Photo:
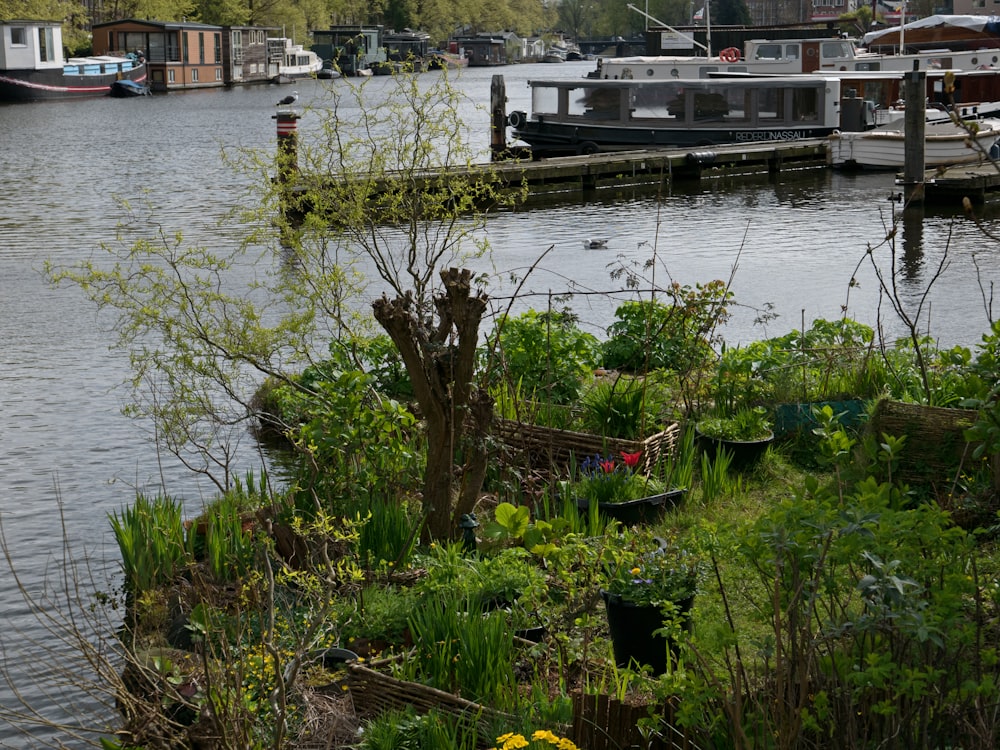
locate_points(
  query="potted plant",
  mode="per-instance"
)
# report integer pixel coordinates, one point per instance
(746, 435)
(620, 490)
(650, 586)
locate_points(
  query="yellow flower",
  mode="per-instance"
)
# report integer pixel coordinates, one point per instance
(636, 571)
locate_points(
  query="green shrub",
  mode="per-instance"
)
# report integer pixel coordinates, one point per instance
(545, 355)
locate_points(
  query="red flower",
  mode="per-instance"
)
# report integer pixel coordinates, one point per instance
(631, 459)
(608, 466)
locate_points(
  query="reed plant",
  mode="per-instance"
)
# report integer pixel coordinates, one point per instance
(715, 480)
(151, 539)
(460, 649)
(229, 540)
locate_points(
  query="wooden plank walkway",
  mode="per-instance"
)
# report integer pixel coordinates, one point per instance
(615, 170)
(972, 181)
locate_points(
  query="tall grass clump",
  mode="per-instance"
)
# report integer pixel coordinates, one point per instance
(460, 649)
(150, 536)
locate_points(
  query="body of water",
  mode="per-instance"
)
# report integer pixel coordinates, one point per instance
(795, 243)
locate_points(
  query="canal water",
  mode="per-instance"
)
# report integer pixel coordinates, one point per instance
(796, 246)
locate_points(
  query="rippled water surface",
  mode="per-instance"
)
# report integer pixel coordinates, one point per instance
(795, 243)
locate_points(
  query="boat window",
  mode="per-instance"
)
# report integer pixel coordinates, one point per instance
(805, 105)
(545, 100)
(770, 104)
(722, 105)
(835, 48)
(660, 102)
(768, 52)
(792, 51)
(597, 102)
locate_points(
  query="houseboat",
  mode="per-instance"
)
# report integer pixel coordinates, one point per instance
(179, 54)
(33, 66)
(582, 116)
(353, 50)
(293, 60)
(790, 56)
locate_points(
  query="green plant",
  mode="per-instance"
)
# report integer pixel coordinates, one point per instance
(650, 335)
(622, 407)
(606, 479)
(647, 570)
(460, 649)
(545, 354)
(746, 425)
(151, 539)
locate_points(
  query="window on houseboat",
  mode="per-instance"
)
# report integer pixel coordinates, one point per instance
(46, 45)
(771, 105)
(835, 49)
(768, 52)
(805, 105)
(657, 101)
(545, 100)
(792, 51)
(18, 36)
(596, 102)
(713, 104)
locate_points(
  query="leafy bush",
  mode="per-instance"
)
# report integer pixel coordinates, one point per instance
(651, 335)
(545, 354)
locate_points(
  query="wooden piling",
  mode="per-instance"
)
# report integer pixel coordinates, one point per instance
(498, 120)
(914, 130)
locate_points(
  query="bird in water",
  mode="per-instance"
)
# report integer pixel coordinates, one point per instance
(290, 99)
(595, 244)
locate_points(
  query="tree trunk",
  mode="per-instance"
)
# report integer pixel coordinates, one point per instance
(440, 359)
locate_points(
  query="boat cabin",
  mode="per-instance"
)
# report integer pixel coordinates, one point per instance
(31, 45)
(586, 116)
(353, 49)
(788, 57)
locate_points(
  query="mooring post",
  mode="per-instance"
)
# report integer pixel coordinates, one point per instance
(288, 144)
(287, 161)
(498, 121)
(914, 130)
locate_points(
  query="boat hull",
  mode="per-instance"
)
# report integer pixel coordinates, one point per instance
(945, 145)
(42, 85)
(556, 139)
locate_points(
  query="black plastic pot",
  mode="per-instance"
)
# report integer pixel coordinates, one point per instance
(745, 453)
(634, 512)
(632, 628)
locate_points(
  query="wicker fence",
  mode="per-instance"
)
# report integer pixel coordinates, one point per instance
(538, 447)
(935, 440)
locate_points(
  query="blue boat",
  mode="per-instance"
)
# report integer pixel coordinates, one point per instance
(125, 88)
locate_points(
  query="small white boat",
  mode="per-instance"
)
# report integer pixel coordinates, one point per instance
(294, 61)
(946, 142)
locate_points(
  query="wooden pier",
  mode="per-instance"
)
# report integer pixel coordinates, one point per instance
(661, 167)
(973, 181)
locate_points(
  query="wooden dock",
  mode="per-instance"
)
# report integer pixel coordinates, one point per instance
(660, 167)
(973, 181)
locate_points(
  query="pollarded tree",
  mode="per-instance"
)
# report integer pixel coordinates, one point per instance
(374, 190)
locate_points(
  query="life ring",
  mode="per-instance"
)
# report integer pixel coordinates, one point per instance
(730, 55)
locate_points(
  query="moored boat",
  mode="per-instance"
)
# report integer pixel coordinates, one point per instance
(947, 142)
(33, 67)
(125, 89)
(294, 61)
(582, 116)
(791, 56)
